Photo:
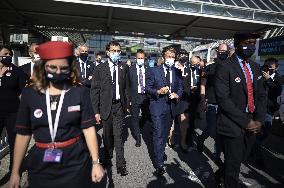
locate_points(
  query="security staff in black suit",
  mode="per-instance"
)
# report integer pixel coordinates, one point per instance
(212, 107)
(29, 67)
(194, 78)
(110, 99)
(241, 100)
(99, 59)
(139, 100)
(85, 67)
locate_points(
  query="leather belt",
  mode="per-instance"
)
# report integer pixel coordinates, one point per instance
(57, 144)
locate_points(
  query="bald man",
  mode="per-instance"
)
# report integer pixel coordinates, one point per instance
(84, 65)
(29, 67)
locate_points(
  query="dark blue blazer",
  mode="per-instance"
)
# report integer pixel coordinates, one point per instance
(155, 80)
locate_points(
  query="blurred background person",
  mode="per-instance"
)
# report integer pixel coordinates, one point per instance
(211, 103)
(12, 81)
(85, 66)
(98, 59)
(57, 111)
(273, 87)
(29, 67)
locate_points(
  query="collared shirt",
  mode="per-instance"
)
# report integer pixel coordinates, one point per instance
(242, 66)
(143, 73)
(32, 67)
(83, 68)
(111, 65)
(194, 77)
(171, 74)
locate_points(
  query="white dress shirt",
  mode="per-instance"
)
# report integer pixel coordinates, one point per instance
(111, 65)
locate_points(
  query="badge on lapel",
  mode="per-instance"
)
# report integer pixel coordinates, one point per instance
(121, 67)
(8, 74)
(38, 113)
(88, 66)
(238, 79)
(258, 78)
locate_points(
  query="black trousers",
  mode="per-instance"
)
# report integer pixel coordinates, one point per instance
(192, 112)
(112, 134)
(142, 104)
(8, 121)
(236, 150)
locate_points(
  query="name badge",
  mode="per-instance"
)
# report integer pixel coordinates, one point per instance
(52, 155)
(74, 108)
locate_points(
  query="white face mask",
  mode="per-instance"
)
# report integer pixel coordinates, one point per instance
(170, 62)
(140, 62)
(36, 57)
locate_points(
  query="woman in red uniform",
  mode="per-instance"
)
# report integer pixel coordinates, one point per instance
(57, 111)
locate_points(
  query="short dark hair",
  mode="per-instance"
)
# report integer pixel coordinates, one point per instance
(270, 61)
(241, 36)
(198, 57)
(182, 51)
(8, 48)
(168, 48)
(140, 51)
(112, 43)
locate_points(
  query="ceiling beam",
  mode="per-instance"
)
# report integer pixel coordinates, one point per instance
(109, 17)
(188, 25)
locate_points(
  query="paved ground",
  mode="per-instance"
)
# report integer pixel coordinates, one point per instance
(192, 170)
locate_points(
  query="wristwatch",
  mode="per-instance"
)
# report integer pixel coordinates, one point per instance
(95, 162)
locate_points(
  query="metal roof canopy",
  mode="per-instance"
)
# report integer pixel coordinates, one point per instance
(173, 19)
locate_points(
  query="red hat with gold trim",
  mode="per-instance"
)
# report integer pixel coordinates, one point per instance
(54, 50)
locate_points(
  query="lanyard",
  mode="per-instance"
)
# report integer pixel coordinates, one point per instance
(53, 129)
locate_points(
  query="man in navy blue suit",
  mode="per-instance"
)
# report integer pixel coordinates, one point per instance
(164, 85)
(139, 100)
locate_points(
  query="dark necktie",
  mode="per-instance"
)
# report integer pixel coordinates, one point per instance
(249, 88)
(141, 80)
(83, 70)
(113, 83)
(168, 78)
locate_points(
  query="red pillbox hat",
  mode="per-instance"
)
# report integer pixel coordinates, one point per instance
(54, 50)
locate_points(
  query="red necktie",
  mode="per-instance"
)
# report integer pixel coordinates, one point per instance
(249, 88)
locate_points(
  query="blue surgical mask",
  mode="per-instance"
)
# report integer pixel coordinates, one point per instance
(151, 63)
(115, 57)
(170, 62)
(140, 62)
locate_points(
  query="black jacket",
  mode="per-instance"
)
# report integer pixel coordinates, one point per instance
(231, 95)
(101, 89)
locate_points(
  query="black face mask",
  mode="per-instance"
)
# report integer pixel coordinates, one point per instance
(57, 78)
(183, 60)
(194, 66)
(6, 60)
(223, 55)
(247, 51)
(84, 56)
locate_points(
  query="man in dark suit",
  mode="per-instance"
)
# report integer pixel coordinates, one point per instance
(110, 99)
(29, 67)
(241, 100)
(85, 67)
(139, 100)
(99, 59)
(164, 84)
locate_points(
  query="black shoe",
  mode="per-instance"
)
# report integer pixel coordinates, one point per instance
(160, 171)
(165, 157)
(138, 144)
(200, 145)
(122, 171)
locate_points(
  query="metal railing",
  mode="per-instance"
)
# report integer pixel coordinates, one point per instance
(4, 146)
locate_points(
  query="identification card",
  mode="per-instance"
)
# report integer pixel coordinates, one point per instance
(52, 155)
(53, 105)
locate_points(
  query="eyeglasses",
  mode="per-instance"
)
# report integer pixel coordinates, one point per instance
(118, 51)
(54, 68)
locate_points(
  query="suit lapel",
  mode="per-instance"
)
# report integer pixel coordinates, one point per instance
(253, 70)
(106, 70)
(240, 72)
(162, 73)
